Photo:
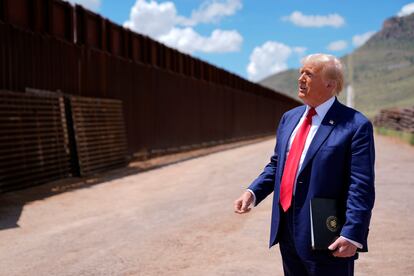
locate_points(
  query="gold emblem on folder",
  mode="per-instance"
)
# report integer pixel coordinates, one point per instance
(332, 223)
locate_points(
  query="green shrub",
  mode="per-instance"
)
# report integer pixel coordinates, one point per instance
(403, 135)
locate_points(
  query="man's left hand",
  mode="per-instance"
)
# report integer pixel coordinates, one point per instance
(342, 248)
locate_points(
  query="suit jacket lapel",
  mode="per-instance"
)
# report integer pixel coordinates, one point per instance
(286, 133)
(327, 125)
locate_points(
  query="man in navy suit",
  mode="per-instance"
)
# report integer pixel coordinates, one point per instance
(324, 150)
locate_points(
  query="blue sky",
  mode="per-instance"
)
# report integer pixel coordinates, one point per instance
(254, 38)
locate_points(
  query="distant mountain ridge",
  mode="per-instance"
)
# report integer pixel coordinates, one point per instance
(382, 69)
(397, 28)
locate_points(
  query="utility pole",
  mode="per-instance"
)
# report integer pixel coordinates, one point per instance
(349, 89)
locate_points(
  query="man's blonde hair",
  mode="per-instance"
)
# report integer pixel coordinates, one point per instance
(331, 68)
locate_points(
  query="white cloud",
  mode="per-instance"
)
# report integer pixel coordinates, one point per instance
(337, 45)
(211, 12)
(302, 20)
(93, 5)
(359, 40)
(190, 41)
(406, 10)
(299, 50)
(162, 22)
(270, 58)
(151, 18)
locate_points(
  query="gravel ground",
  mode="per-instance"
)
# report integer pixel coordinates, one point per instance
(178, 220)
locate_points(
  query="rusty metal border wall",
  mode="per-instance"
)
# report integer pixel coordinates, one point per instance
(171, 100)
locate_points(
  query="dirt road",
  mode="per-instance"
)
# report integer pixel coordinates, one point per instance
(178, 220)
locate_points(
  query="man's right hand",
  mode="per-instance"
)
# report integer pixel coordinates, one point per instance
(241, 205)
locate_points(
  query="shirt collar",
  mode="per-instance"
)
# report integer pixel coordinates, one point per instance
(323, 108)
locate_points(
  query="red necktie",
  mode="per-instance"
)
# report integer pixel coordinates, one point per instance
(292, 162)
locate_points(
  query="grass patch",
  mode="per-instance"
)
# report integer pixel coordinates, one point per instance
(402, 135)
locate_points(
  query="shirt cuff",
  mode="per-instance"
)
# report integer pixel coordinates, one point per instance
(357, 244)
(254, 198)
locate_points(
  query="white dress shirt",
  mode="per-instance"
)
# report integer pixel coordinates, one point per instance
(321, 111)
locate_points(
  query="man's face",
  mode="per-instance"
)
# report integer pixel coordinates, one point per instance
(313, 90)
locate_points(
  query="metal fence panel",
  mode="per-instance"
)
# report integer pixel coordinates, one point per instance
(18, 12)
(99, 133)
(34, 142)
(61, 22)
(90, 29)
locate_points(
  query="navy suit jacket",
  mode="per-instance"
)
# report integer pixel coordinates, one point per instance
(339, 164)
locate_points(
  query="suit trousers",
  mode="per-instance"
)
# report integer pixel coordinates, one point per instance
(294, 265)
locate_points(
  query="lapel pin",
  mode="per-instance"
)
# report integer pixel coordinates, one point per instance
(331, 122)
